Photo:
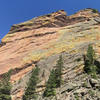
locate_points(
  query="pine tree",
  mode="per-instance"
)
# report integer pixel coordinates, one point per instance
(51, 85)
(90, 67)
(90, 55)
(5, 86)
(30, 92)
(58, 71)
(54, 80)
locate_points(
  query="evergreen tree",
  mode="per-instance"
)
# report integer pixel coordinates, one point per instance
(5, 86)
(90, 67)
(90, 55)
(54, 80)
(51, 85)
(30, 92)
(58, 71)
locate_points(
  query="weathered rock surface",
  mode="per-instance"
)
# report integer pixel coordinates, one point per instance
(40, 41)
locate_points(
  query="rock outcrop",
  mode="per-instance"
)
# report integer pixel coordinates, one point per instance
(40, 41)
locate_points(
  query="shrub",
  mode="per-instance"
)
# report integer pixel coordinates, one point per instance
(76, 96)
(85, 84)
(95, 11)
(4, 97)
(92, 93)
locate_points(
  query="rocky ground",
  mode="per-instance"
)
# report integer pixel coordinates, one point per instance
(40, 41)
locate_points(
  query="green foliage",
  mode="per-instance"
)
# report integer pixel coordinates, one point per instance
(30, 92)
(5, 86)
(4, 97)
(54, 80)
(51, 85)
(90, 66)
(97, 63)
(85, 84)
(89, 61)
(90, 55)
(76, 96)
(6, 77)
(95, 11)
(91, 93)
(58, 72)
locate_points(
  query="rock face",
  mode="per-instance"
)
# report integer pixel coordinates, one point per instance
(40, 41)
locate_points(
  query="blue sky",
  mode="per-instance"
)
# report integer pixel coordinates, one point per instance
(16, 11)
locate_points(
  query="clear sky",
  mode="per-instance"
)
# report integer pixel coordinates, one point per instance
(16, 11)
